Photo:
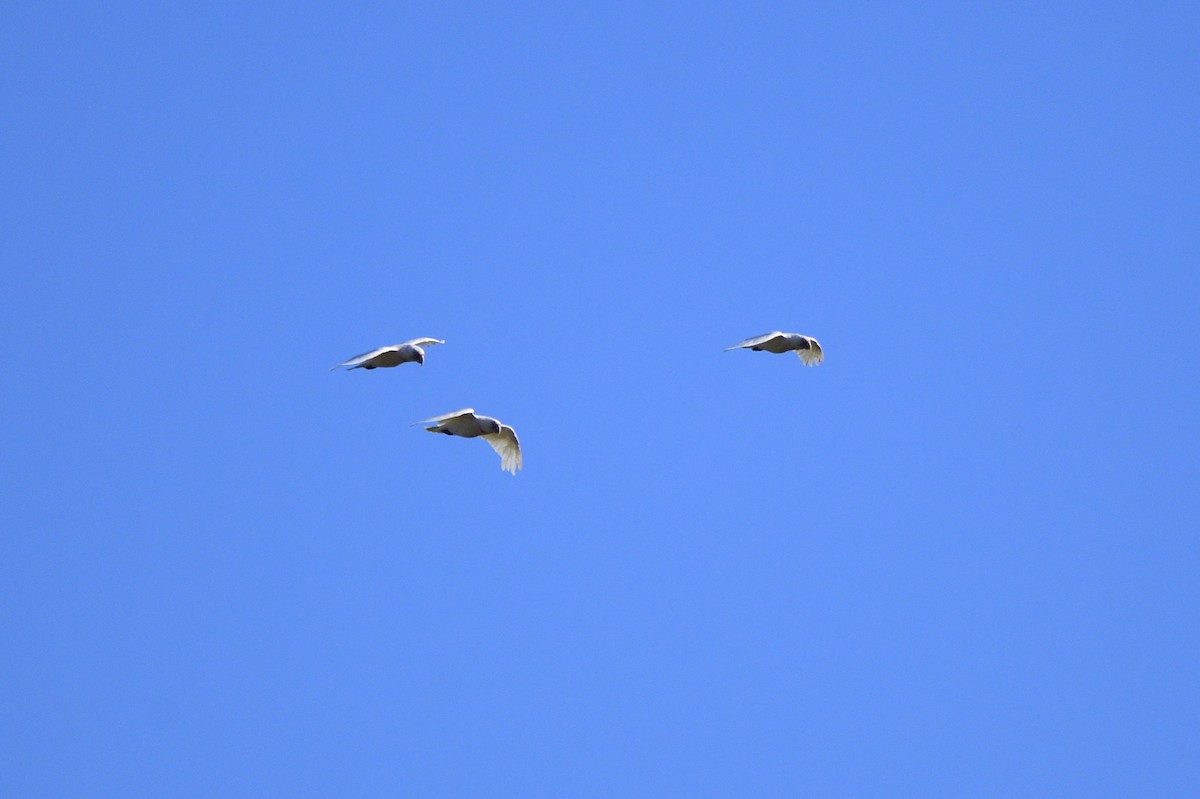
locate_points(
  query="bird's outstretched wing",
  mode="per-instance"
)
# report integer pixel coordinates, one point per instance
(366, 356)
(445, 417)
(756, 341)
(424, 342)
(812, 354)
(507, 447)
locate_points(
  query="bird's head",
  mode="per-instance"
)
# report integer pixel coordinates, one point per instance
(420, 357)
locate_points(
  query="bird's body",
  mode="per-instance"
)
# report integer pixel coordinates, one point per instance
(466, 424)
(807, 348)
(406, 352)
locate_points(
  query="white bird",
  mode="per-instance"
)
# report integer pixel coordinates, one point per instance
(405, 352)
(807, 348)
(465, 423)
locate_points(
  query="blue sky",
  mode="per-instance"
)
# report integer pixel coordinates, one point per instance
(958, 558)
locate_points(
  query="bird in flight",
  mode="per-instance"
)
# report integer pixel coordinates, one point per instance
(807, 348)
(405, 352)
(465, 423)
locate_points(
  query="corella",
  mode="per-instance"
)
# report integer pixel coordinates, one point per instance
(466, 424)
(806, 347)
(405, 352)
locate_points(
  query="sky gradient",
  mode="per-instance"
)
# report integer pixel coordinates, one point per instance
(958, 558)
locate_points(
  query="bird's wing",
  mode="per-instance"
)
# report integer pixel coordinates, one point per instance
(445, 417)
(507, 447)
(756, 341)
(424, 342)
(366, 356)
(813, 354)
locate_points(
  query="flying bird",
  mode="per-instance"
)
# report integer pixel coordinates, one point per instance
(405, 352)
(807, 348)
(465, 423)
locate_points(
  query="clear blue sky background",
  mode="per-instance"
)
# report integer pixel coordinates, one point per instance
(957, 559)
